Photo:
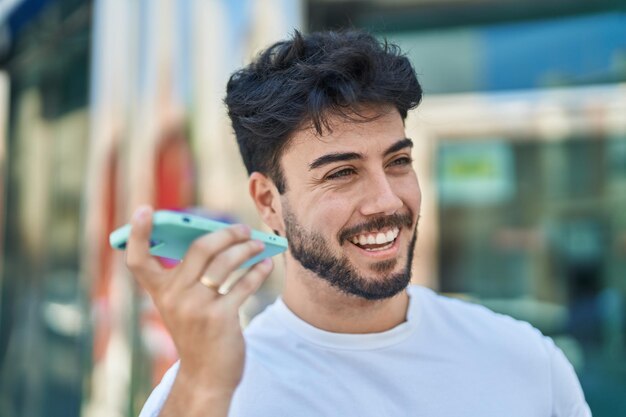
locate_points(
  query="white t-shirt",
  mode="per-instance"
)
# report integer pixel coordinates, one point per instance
(450, 358)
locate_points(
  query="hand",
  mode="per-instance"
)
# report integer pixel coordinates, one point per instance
(203, 323)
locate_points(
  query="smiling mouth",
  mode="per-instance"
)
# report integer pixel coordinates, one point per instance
(376, 241)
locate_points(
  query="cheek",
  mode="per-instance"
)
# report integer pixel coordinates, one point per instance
(409, 191)
(330, 214)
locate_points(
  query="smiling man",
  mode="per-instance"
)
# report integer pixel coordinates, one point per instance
(319, 120)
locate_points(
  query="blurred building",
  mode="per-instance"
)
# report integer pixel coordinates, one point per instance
(107, 104)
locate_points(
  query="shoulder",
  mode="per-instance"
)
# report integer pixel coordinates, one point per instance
(507, 343)
(482, 330)
(467, 316)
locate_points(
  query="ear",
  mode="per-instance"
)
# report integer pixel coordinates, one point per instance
(267, 201)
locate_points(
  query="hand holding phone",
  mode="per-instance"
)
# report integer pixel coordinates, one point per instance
(203, 322)
(173, 232)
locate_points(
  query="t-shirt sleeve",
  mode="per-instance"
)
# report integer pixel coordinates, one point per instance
(157, 398)
(568, 399)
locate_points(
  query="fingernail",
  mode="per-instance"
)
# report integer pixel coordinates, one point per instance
(244, 229)
(259, 244)
(141, 213)
(267, 261)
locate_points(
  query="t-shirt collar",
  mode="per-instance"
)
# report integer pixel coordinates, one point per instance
(348, 341)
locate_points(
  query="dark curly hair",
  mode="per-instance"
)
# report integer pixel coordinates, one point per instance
(306, 79)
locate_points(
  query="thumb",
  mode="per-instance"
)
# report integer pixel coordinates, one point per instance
(138, 255)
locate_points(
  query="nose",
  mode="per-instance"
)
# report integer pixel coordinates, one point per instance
(379, 197)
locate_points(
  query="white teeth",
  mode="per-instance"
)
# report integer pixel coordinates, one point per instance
(377, 238)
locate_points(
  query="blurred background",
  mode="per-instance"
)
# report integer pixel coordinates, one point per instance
(107, 104)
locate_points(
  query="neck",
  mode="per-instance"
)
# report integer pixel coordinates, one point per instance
(318, 303)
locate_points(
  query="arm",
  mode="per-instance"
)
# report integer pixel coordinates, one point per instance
(203, 323)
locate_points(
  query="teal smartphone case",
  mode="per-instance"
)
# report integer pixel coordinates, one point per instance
(173, 232)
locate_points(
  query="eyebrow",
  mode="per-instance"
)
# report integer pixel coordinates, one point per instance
(350, 156)
(399, 145)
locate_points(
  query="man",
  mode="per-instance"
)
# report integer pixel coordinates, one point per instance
(319, 120)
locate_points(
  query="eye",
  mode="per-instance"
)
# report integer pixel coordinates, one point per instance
(346, 172)
(403, 160)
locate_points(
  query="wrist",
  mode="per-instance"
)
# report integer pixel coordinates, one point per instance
(192, 397)
(204, 386)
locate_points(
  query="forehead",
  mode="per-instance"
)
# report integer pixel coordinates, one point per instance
(369, 138)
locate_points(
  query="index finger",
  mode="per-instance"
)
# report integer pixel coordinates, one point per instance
(138, 258)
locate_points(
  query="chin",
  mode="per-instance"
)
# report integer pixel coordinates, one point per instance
(388, 266)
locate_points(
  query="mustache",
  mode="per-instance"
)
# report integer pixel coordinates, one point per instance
(398, 220)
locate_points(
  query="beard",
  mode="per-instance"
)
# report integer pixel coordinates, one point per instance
(314, 253)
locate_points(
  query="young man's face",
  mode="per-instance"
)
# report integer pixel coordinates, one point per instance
(352, 205)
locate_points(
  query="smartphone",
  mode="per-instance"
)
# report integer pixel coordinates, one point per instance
(173, 232)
